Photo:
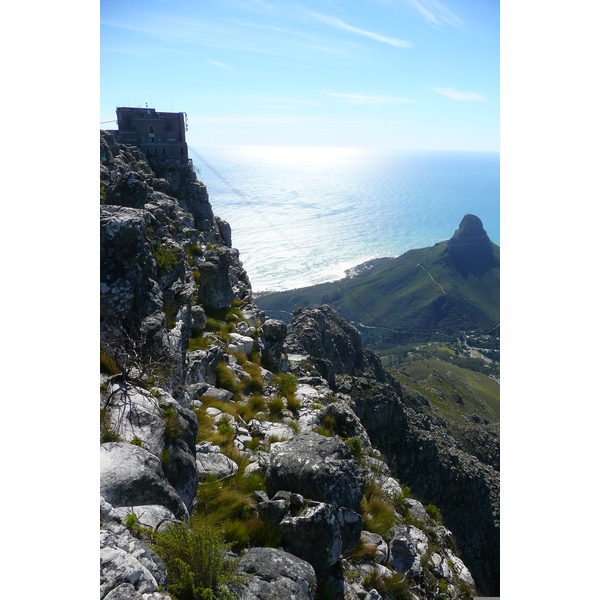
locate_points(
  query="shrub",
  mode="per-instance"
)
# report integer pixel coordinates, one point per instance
(355, 447)
(288, 384)
(434, 513)
(136, 441)
(194, 555)
(166, 258)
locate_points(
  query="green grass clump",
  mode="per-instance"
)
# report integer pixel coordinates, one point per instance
(275, 406)
(327, 427)
(293, 404)
(198, 343)
(255, 384)
(226, 379)
(288, 384)
(377, 510)
(194, 554)
(248, 410)
(166, 258)
(434, 513)
(355, 447)
(172, 427)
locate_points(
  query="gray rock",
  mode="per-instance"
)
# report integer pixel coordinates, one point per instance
(240, 343)
(417, 510)
(201, 365)
(126, 560)
(211, 463)
(134, 413)
(314, 535)
(272, 510)
(274, 330)
(460, 569)
(218, 394)
(125, 591)
(152, 516)
(132, 476)
(275, 573)
(373, 540)
(407, 546)
(319, 468)
(440, 566)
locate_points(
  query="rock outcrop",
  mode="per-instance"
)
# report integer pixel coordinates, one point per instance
(309, 439)
(470, 248)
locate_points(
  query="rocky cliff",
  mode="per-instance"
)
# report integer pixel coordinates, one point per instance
(244, 458)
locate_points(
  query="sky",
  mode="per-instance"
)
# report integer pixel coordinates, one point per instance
(406, 74)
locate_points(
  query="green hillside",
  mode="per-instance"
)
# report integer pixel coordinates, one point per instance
(420, 294)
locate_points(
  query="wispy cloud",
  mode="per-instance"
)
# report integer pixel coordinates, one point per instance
(367, 99)
(342, 25)
(216, 63)
(462, 96)
(435, 13)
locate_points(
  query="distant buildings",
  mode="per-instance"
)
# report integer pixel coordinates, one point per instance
(158, 134)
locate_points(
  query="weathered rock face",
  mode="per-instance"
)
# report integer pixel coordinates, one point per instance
(319, 468)
(419, 452)
(127, 565)
(162, 253)
(333, 344)
(165, 258)
(131, 476)
(407, 546)
(276, 574)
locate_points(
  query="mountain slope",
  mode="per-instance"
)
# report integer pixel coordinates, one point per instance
(450, 287)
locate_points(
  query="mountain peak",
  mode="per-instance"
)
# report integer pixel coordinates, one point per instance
(470, 247)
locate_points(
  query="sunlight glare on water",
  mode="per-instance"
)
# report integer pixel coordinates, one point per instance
(305, 215)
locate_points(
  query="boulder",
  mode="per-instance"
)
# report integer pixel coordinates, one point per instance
(211, 463)
(314, 535)
(373, 540)
(460, 568)
(274, 330)
(152, 516)
(274, 573)
(134, 413)
(440, 566)
(126, 560)
(132, 476)
(407, 546)
(317, 467)
(240, 343)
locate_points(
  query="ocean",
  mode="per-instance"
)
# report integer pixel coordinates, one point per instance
(301, 216)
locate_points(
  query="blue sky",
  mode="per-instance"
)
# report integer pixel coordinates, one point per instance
(409, 74)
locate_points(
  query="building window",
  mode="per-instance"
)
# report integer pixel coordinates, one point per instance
(150, 128)
(181, 151)
(163, 151)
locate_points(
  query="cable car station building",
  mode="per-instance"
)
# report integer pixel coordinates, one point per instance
(158, 134)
